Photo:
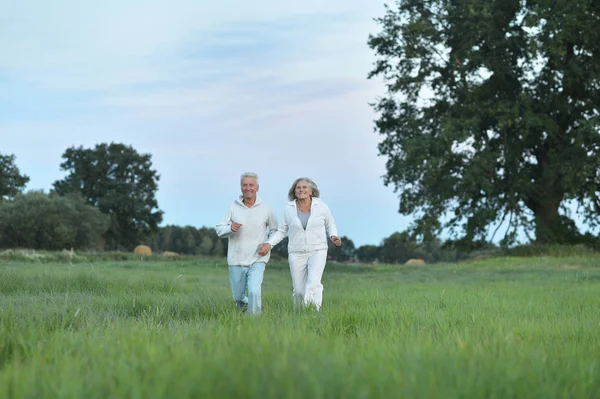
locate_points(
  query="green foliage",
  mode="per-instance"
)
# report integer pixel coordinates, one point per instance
(188, 240)
(121, 183)
(40, 221)
(220, 247)
(553, 250)
(502, 328)
(468, 246)
(343, 253)
(368, 253)
(491, 113)
(12, 181)
(400, 247)
(280, 251)
(33, 256)
(69, 257)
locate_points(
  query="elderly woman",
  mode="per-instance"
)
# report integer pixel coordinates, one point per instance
(308, 224)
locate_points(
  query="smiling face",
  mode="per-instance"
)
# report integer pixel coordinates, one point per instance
(249, 188)
(303, 190)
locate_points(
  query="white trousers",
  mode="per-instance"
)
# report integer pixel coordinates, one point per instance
(307, 269)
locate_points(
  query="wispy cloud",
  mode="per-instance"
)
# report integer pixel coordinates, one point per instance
(210, 89)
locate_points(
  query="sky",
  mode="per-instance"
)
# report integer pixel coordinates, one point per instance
(211, 90)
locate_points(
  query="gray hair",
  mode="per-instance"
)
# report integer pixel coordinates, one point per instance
(248, 174)
(313, 186)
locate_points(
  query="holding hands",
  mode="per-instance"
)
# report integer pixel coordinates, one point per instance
(264, 249)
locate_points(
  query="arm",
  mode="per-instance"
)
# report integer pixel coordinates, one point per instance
(275, 237)
(331, 228)
(278, 235)
(223, 228)
(272, 223)
(330, 225)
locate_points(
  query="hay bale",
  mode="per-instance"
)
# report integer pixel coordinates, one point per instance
(142, 250)
(169, 253)
(415, 262)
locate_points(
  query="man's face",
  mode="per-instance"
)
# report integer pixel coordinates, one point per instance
(249, 188)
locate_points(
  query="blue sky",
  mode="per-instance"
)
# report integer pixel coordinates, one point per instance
(210, 89)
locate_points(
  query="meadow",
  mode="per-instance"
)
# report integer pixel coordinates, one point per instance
(506, 327)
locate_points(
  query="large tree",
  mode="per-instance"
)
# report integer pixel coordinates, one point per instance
(491, 113)
(120, 182)
(12, 181)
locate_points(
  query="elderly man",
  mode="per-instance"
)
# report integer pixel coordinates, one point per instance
(245, 225)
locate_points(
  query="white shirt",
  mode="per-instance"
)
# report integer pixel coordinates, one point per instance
(319, 228)
(243, 245)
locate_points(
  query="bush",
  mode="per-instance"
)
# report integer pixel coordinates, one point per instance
(48, 222)
(33, 256)
(558, 250)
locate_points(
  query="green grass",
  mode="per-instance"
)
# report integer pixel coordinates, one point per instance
(497, 328)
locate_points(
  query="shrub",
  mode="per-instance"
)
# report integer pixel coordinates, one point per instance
(42, 221)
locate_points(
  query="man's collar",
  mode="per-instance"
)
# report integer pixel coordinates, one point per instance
(240, 201)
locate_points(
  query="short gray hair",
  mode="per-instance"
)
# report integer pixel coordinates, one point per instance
(248, 174)
(313, 186)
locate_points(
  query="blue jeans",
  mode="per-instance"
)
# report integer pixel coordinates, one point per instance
(251, 278)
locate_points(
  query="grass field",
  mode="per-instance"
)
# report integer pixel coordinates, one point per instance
(499, 328)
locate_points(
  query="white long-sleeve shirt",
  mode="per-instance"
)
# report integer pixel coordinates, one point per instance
(319, 228)
(244, 244)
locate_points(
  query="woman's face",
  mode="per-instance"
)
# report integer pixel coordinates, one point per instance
(303, 190)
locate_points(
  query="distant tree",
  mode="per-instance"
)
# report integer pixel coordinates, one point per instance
(188, 240)
(121, 183)
(368, 253)
(343, 253)
(208, 232)
(206, 245)
(281, 250)
(182, 240)
(398, 248)
(12, 181)
(491, 113)
(468, 246)
(165, 238)
(220, 247)
(36, 220)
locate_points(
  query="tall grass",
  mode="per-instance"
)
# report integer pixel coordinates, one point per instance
(499, 328)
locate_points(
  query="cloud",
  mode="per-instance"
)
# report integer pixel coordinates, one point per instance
(79, 46)
(210, 89)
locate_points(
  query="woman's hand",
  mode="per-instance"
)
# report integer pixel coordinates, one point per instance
(264, 249)
(336, 240)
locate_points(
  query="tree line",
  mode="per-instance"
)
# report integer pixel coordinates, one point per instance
(107, 203)
(397, 248)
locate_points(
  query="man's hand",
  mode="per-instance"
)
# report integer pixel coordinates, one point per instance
(235, 226)
(336, 240)
(264, 249)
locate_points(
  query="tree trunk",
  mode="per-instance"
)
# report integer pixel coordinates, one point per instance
(545, 201)
(548, 224)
